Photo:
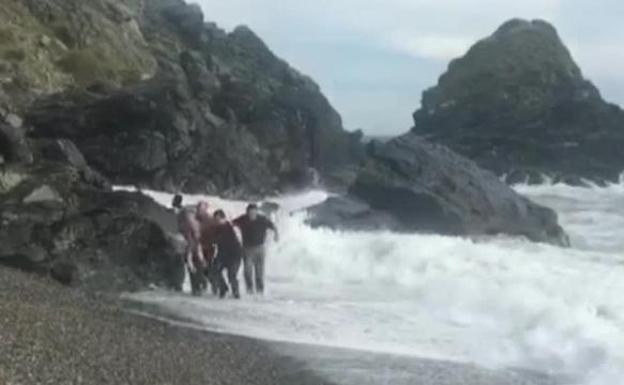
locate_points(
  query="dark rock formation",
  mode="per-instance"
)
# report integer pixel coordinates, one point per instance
(518, 104)
(412, 185)
(58, 217)
(350, 213)
(222, 115)
(13, 143)
(100, 239)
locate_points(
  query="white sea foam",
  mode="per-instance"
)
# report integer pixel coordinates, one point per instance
(498, 302)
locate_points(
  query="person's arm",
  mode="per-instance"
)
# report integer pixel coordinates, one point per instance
(196, 246)
(190, 250)
(200, 253)
(270, 225)
(238, 222)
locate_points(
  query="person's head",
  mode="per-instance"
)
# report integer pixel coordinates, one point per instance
(252, 211)
(219, 215)
(202, 209)
(177, 201)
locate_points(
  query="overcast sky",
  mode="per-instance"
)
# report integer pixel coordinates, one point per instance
(373, 58)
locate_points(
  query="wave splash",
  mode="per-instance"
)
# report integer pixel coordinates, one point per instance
(497, 302)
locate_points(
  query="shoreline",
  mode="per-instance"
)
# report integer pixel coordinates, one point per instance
(50, 334)
(53, 334)
(349, 366)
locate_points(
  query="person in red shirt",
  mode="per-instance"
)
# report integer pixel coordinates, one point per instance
(254, 228)
(208, 227)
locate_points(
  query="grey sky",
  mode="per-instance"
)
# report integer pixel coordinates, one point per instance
(373, 58)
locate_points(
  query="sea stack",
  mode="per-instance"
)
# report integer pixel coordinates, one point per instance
(519, 105)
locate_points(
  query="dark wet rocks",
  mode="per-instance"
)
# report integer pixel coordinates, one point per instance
(411, 185)
(60, 219)
(223, 115)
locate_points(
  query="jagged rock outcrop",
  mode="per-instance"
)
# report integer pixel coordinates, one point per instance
(53, 223)
(59, 217)
(220, 113)
(518, 104)
(412, 185)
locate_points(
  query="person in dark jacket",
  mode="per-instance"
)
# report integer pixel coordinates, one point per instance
(229, 255)
(254, 228)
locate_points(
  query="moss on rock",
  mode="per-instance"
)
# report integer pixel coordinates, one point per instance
(49, 47)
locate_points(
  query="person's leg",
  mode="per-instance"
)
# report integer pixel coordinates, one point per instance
(196, 283)
(209, 271)
(212, 273)
(177, 271)
(219, 266)
(202, 274)
(232, 271)
(259, 258)
(248, 271)
(197, 278)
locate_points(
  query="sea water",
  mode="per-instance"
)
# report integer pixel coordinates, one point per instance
(496, 302)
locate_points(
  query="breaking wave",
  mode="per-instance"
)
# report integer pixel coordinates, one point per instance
(497, 302)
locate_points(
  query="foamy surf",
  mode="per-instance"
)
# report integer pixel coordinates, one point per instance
(497, 302)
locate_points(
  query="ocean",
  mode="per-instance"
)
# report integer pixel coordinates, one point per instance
(384, 308)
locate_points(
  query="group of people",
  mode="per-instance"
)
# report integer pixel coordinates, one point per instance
(213, 247)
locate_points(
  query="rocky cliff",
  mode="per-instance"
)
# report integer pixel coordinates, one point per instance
(518, 104)
(153, 95)
(145, 93)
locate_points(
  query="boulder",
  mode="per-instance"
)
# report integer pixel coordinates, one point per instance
(350, 213)
(66, 273)
(155, 135)
(54, 222)
(187, 18)
(59, 150)
(518, 104)
(13, 143)
(412, 185)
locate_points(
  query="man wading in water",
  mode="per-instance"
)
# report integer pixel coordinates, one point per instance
(208, 227)
(229, 256)
(254, 229)
(194, 256)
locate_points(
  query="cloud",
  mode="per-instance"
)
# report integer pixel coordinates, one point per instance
(442, 48)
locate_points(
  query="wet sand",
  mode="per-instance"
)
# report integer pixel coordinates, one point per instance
(349, 367)
(355, 367)
(50, 334)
